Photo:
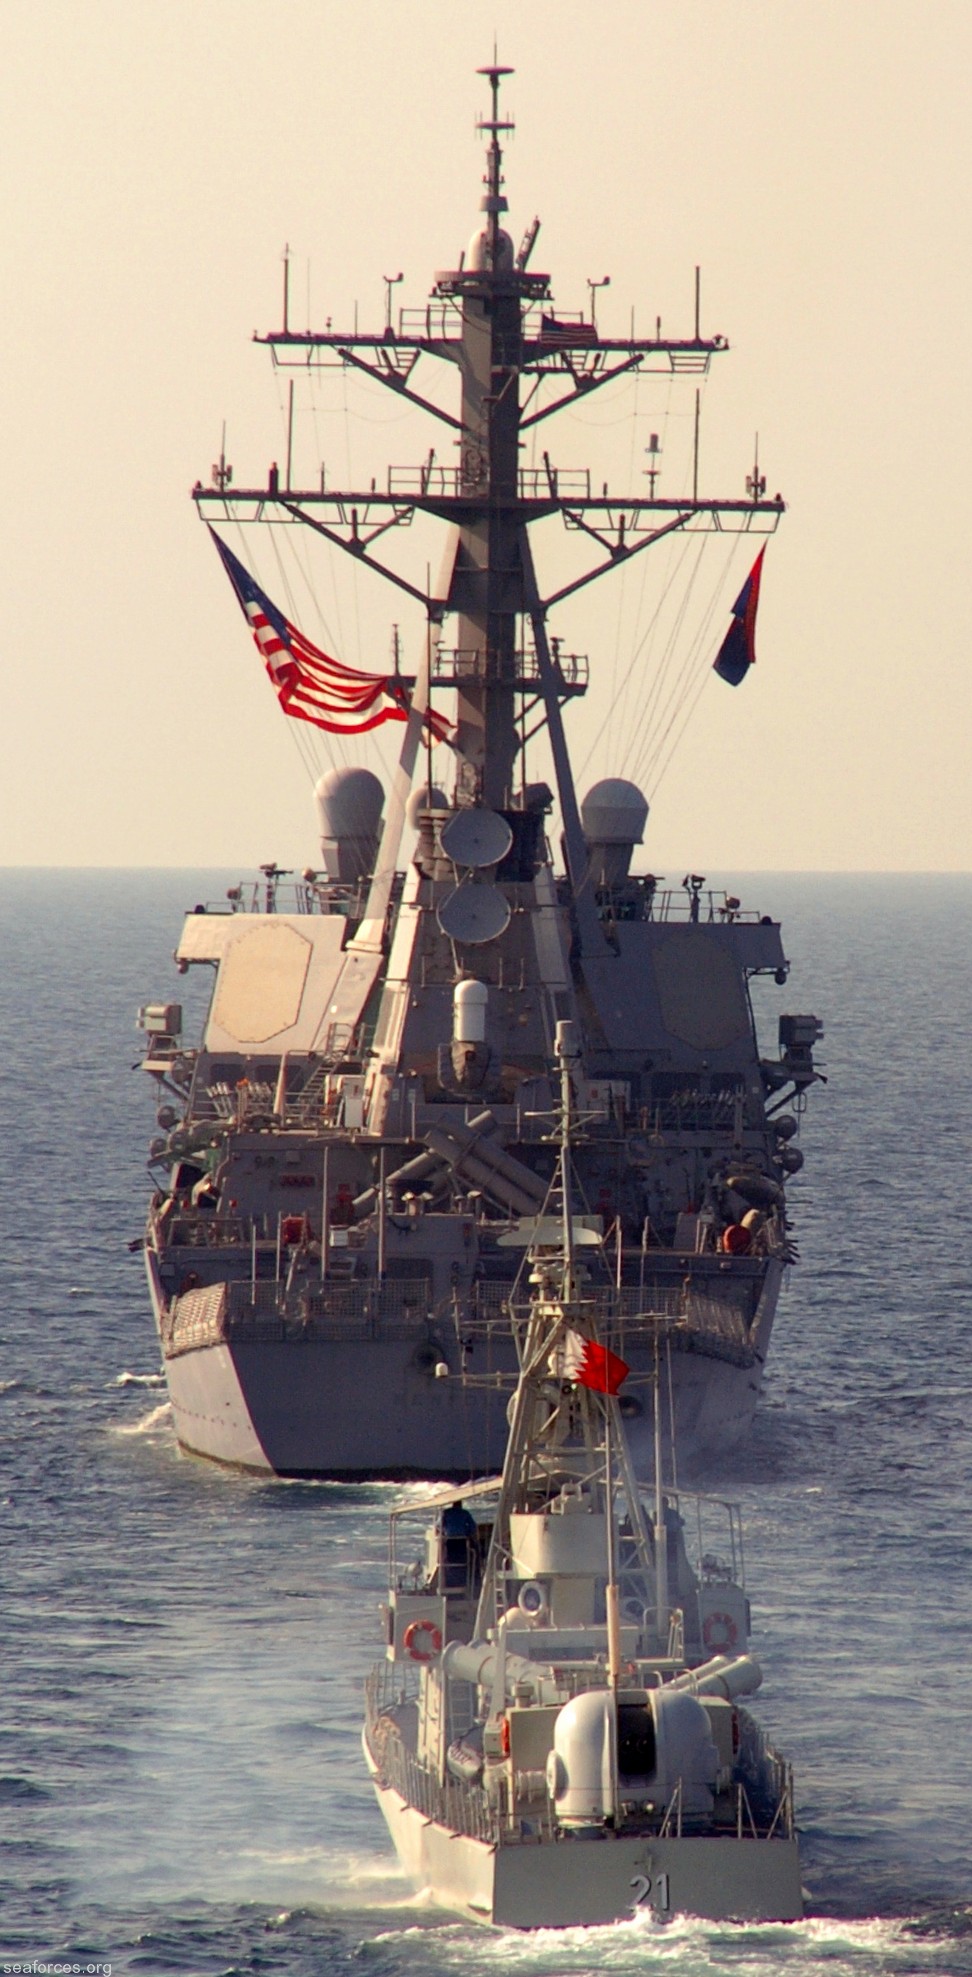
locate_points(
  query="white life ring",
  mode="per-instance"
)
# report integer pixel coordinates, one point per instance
(411, 1637)
(720, 1632)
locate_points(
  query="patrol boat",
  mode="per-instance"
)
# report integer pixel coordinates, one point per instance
(343, 1154)
(556, 1735)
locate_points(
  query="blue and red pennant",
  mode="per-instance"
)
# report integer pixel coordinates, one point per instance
(738, 649)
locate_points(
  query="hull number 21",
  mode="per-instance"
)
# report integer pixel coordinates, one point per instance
(654, 1892)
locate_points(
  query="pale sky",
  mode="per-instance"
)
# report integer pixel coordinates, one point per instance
(814, 159)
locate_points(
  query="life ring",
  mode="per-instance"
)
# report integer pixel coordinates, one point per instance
(416, 1628)
(532, 1600)
(720, 1632)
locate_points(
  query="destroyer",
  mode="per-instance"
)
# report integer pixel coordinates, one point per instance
(551, 1737)
(345, 1153)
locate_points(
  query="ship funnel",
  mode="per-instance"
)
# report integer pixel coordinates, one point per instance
(613, 817)
(349, 805)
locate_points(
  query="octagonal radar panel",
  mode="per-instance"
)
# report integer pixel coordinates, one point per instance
(476, 837)
(474, 914)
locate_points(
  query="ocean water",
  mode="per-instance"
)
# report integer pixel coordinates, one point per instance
(182, 1652)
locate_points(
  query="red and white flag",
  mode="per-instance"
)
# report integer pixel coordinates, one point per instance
(310, 685)
(586, 1363)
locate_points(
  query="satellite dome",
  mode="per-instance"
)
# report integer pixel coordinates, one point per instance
(613, 818)
(614, 812)
(478, 255)
(425, 798)
(349, 805)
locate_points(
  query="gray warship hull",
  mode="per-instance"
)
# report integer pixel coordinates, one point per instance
(329, 1396)
(361, 1140)
(600, 1880)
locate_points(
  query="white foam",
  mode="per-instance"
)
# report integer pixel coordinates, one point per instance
(644, 1946)
(152, 1419)
(139, 1380)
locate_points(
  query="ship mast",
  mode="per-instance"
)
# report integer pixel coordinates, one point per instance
(482, 582)
(509, 342)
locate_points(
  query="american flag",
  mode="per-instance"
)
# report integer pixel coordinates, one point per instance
(310, 685)
(557, 330)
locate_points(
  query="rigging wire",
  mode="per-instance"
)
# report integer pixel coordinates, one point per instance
(355, 593)
(638, 650)
(704, 637)
(670, 681)
(301, 743)
(313, 745)
(621, 705)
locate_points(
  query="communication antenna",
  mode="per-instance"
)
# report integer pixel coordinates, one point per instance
(476, 837)
(474, 914)
(390, 281)
(605, 282)
(222, 472)
(756, 482)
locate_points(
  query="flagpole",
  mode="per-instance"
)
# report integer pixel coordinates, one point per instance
(325, 1211)
(661, 1541)
(370, 936)
(428, 685)
(611, 1605)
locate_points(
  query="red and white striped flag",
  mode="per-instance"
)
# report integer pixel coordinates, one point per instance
(310, 685)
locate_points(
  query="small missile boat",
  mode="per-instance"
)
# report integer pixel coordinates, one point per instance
(557, 1734)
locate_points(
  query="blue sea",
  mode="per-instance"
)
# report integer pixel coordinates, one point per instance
(182, 1651)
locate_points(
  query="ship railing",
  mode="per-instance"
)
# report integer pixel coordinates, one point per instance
(332, 1310)
(174, 1231)
(769, 1774)
(461, 662)
(532, 483)
(710, 906)
(286, 892)
(680, 1312)
(299, 1097)
(438, 322)
(784, 1818)
(743, 1817)
(336, 1299)
(212, 1314)
(459, 1805)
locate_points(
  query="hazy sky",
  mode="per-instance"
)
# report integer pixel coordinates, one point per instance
(814, 159)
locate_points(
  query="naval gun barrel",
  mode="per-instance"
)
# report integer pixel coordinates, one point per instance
(480, 1662)
(725, 1675)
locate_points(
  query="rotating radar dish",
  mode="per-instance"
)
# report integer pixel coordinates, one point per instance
(476, 837)
(474, 914)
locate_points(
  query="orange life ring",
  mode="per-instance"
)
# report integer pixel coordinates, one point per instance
(504, 1730)
(411, 1635)
(723, 1626)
